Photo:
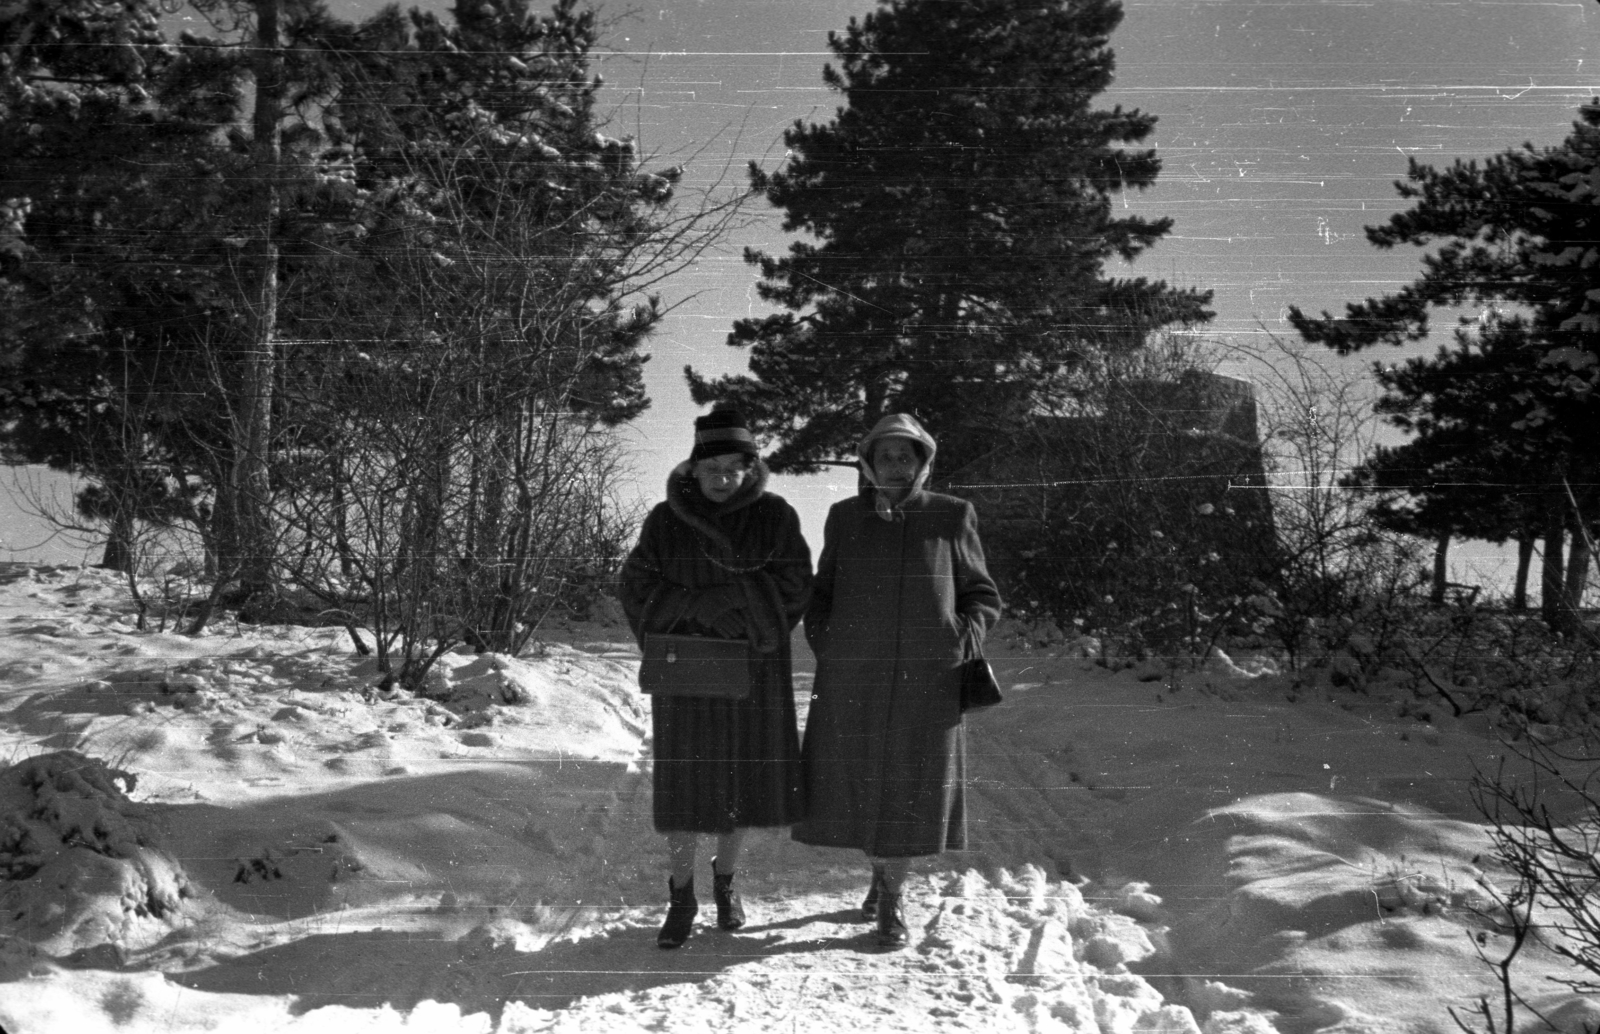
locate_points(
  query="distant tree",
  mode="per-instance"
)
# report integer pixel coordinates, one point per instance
(439, 181)
(1466, 471)
(465, 353)
(244, 530)
(106, 287)
(1433, 496)
(145, 263)
(958, 219)
(460, 136)
(1523, 228)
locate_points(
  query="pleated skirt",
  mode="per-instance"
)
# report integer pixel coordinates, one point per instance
(721, 765)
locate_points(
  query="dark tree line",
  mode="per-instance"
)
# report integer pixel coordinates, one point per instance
(257, 279)
(327, 211)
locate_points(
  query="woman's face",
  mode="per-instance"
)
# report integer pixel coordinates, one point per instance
(895, 462)
(721, 476)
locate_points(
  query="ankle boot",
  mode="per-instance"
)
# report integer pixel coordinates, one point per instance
(680, 915)
(730, 909)
(892, 932)
(869, 904)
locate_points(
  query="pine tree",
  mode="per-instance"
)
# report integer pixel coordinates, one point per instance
(959, 219)
(487, 318)
(480, 149)
(1521, 228)
(1474, 465)
(1465, 469)
(441, 182)
(102, 181)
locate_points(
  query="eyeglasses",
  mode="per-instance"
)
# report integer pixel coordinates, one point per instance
(722, 473)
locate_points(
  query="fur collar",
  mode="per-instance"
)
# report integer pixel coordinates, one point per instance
(693, 508)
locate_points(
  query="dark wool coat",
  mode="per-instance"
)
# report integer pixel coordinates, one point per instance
(885, 750)
(724, 764)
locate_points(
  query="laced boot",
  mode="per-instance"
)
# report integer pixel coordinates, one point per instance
(892, 932)
(869, 904)
(730, 909)
(680, 915)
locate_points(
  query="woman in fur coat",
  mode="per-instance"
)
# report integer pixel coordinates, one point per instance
(901, 591)
(723, 557)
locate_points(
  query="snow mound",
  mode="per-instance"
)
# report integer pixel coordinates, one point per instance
(474, 683)
(1333, 890)
(82, 864)
(590, 705)
(1575, 1016)
(312, 866)
(1331, 862)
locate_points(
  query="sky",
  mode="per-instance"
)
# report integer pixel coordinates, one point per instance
(1282, 128)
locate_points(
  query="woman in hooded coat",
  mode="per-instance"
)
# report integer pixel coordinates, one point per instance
(901, 591)
(723, 557)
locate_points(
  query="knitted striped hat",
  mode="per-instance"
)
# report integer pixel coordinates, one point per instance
(722, 431)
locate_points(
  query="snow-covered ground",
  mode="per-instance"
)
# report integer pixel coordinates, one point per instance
(261, 842)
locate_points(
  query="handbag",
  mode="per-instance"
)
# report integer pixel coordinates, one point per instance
(695, 666)
(979, 688)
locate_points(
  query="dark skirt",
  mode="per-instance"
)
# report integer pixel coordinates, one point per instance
(727, 764)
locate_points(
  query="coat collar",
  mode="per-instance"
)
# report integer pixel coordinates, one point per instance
(879, 503)
(692, 507)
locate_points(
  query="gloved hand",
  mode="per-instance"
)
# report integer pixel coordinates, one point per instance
(729, 624)
(971, 634)
(712, 606)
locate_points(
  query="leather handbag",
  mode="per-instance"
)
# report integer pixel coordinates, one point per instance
(979, 687)
(695, 666)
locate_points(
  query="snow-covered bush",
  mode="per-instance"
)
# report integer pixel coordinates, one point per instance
(1476, 659)
(81, 864)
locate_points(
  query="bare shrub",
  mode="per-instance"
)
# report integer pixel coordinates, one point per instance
(450, 465)
(451, 496)
(1545, 826)
(1479, 659)
(1344, 586)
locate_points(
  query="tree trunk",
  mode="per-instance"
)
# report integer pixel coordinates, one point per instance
(341, 516)
(249, 482)
(119, 555)
(1577, 576)
(1441, 554)
(1552, 586)
(1519, 595)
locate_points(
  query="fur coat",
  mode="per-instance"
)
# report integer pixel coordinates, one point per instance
(720, 764)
